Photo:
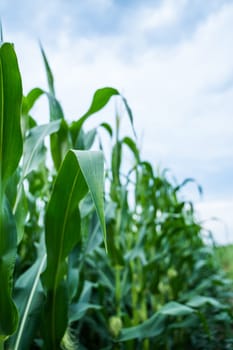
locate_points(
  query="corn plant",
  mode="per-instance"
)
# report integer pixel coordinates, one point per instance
(40, 215)
(89, 266)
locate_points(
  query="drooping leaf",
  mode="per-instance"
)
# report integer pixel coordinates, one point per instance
(80, 171)
(199, 300)
(153, 327)
(100, 99)
(175, 309)
(132, 146)
(107, 127)
(30, 99)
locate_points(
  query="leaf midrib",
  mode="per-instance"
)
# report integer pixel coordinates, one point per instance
(28, 305)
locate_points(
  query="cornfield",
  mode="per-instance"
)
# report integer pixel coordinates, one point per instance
(97, 254)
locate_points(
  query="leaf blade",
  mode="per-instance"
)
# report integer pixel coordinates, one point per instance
(10, 153)
(62, 228)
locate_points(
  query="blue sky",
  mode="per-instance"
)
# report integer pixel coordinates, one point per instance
(172, 59)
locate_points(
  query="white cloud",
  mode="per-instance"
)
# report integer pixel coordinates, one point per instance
(168, 88)
(154, 17)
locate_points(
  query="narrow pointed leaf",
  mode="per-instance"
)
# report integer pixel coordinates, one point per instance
(130, 114)
(29, 298)
(100, 99)
(55, 108)
(48, 72)
(59, 141)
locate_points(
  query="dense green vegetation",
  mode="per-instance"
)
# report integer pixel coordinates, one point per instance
(224, 254)
(97, 256)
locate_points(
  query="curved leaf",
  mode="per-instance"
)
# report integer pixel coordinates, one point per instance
(100, 99)
(30, 99)
(152, 327)
(80, 171)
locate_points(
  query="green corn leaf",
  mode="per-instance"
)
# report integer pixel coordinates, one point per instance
(100, 99)
(48, 72)
(132, 146)
(10, 108)
(175, 309)
(116, 164)
(130, 114)
(10, 153)
(34, 144)
(77, 310)
(54, 106)
(80, 171)
(33, 154)
(60, 140)
(107, 127)
(60, 143)
(29, 297)
(199, 300)
(92, 166)
(153, 327)
(8, 311)
(30, 99)
(20, 212)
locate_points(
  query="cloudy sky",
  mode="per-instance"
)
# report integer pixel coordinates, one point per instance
(172, 60)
